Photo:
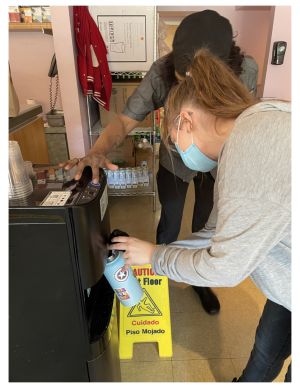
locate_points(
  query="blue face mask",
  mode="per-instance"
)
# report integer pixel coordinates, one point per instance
(193, 158)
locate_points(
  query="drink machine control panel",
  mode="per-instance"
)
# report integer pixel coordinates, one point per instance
(91, 190)
(74, 192)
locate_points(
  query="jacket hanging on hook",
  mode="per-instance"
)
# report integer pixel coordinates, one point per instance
(93, 70)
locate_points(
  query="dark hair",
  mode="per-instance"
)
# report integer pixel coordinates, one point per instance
(236, 58)
(212, 86)
(167, 69)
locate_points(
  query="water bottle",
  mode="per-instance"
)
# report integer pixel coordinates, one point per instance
(146, 176)
(122, 179)
(140, 176)
(110, 179)
(128, 177)
(117, 179)
(134, 178)
(124, 283)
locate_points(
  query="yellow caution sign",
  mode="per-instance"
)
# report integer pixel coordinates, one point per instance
(149, 320)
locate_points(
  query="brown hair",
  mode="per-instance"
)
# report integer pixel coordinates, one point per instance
(213, 86)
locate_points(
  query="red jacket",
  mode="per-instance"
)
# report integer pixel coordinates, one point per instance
(93, 68)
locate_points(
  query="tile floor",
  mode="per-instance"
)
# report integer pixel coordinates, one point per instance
(205, 348)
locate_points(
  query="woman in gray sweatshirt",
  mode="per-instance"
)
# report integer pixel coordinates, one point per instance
(212, 119)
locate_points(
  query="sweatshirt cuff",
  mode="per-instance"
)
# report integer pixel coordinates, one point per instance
(159, 252)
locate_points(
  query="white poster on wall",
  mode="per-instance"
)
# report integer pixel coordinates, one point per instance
(124, 37)
(128, 33)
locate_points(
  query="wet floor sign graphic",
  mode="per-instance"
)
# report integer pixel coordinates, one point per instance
(146, 307)
(149, 320)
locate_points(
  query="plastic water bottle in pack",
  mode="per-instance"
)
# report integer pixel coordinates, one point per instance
(122, 179)
(134, 178)
(117, 179)
(128, 177)
(140, 176)
(146, 176)
(110, 179)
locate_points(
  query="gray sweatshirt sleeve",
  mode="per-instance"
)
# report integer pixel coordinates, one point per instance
(246, 229)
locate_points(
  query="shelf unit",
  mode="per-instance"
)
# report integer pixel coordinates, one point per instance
(46, 28)
(96, 130)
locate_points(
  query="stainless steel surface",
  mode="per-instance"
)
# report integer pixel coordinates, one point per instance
(27, 114)
(56, 118)
(56, 130)
(113, 257)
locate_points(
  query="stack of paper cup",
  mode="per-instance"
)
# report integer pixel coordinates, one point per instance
(20, 190)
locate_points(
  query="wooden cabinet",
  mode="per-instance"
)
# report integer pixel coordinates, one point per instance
(32, 141)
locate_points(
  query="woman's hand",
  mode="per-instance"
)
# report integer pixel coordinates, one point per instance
(137, 252)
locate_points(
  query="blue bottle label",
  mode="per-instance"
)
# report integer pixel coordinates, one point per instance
(122, 293)
(121, 276)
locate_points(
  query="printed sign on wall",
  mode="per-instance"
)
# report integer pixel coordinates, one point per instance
(124, 37)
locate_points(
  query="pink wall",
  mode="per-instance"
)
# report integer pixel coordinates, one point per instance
(30, 55)
(278, 77)
(75, 107)
(250, 26)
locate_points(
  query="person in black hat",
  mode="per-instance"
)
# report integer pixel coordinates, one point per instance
(200, 29)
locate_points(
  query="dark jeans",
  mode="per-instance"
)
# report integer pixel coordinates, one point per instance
(272, 346)
(172, 192)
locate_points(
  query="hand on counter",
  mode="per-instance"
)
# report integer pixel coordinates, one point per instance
(137, 252)
(95, 160)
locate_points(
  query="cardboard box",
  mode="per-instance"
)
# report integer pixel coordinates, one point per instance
(124, 154)
(126, 161)
(36, 13)
(144, 154)
(120, 94)
(25, 14)
(14, 14)
(125, 148)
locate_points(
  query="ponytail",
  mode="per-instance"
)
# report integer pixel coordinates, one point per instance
(210, 85)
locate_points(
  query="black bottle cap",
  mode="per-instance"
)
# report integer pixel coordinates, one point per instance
(115, 233)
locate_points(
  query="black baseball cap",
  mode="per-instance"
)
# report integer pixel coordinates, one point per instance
(201, 29)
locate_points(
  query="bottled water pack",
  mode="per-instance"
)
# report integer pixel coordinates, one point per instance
(129, 177)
